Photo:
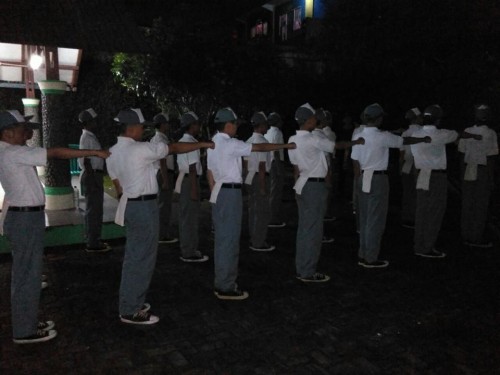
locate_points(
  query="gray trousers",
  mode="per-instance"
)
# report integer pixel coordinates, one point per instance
(277, 174)
(226, 216)
(475, 203)
(25, 232)
(141, 226)
(373, 208)
(165, 203)
(409, 197)
(189, 212)
(259, 212)
(431, 206)
(311, 205)
(94, 200)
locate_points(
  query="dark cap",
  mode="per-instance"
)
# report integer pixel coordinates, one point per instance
(188, 118)
(482, 112)
(321, 115)
(412, 114)
(161, 118)
(372, 112)
(11, 118)
(258, 118)
(304, 113)
(433, 112)
(87, 115)
(274, 119)
(225, 115)
(131, 116)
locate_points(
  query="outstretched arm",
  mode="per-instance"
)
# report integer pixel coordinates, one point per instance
(183, 147)
(415, 140)
(264, 147)
(69, 153)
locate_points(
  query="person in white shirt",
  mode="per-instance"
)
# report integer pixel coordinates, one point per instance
(318, 132)
(133, 167)
(22, 221)
(91, 179)
(310, 170)
(277, 174)
(257, 181)
(224, 177)
(432, 181)
(479, 157)
(165, 178)
(188, 186)
(371, 162)
(408, 171)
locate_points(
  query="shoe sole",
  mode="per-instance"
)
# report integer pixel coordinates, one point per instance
(245, 295)
(50, 336)
(263, 250)
(372, 266)
(431, 256)
(480, 246)
(276, 225)
(201, 260)
(173, 241)
(145, 323)
(328, 241)
(99, 250)
(327, 278)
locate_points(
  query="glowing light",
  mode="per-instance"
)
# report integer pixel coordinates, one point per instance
(35, 61)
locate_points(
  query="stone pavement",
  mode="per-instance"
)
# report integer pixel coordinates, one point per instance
(418, 316)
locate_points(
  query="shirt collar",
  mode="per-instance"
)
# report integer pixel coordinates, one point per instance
(303, 132)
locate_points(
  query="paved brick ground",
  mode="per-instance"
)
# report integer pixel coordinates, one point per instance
(415, 317)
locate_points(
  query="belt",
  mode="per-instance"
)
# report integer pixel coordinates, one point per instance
(229, 185)
(26, 208)
(148, 197)
(316, 179)
(379, 172)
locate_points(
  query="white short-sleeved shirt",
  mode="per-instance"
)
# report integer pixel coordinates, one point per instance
(159, 137)
(477, 152)
(330, 133)
(432, 155)
(88, 141)
(408, 156)
(321, 134)
(225, 160)
(134, 165)
(189, 158)
(356, 131)
(18, 176)
(255, 157)
(309, 155)
(275, 135)
(374, 154)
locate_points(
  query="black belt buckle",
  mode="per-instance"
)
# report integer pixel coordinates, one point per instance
(316, 179)
(229, 185)
(148, 197)
(26, 208)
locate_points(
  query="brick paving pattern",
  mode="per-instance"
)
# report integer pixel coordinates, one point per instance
(418, 316)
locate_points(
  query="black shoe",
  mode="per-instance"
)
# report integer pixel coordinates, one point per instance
(145, 307)
(482, 244)
(46, 326)
(327, 240)
(432, 254)
(376, 264)
(232, 295)
(140, 317)
(276, 224)
(102, 248)
(265, 247)
(316, 278)
(407, 224)
(194, 259)
(39, 336)
(168, 240)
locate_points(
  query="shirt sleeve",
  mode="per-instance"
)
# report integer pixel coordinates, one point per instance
(392, 140)
(444, 136)
(356, 149)
(292, 153)
(32, 156)
(239, 148)
(155, 151)
(493, 147)
(324, 144)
